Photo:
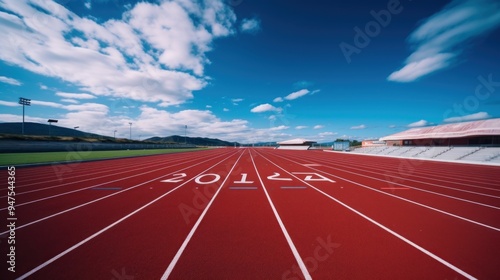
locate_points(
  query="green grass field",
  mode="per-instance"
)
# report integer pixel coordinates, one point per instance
(48, 157)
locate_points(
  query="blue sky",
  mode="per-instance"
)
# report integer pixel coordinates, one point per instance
(250, 71)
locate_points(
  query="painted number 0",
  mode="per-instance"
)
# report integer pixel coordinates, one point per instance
(216, 178)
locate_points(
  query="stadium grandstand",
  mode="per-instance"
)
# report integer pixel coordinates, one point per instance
(474, 141)
(295, 144)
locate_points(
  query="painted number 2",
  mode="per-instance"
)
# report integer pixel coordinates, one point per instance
(176, 179)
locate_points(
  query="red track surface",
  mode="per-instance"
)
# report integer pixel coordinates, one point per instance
(255, 214)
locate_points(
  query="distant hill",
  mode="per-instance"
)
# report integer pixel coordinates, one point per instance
(192, 140)
(45, 130)
(38, 129)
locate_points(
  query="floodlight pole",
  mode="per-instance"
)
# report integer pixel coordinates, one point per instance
(185, 134)
(50, 121)
(130, 130)
(25, 102)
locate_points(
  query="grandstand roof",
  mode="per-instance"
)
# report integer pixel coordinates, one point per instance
(452, 130)
(297, 141)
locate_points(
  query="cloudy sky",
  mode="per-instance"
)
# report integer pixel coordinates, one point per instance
(250, 70)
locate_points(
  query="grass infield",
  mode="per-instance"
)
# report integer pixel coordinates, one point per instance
(75, 156)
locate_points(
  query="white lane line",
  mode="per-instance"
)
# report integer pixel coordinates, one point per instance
(101, 198)
(295, 252)
(377, 171)
(435, 172)
(411, 201)
(93, 186)
(423, 250)
(113, 170)
(421, 182)
(422, 190)
(46, 263)
(94, 178)
(177, 256)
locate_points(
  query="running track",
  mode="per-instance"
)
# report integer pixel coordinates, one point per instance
(255, 214)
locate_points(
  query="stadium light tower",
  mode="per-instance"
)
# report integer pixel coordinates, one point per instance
(50, 121)
(25, 102)
(130, 130)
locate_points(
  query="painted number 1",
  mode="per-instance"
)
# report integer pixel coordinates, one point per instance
(243, 179)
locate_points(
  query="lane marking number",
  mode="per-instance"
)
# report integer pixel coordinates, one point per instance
(243, 179)
(176, 179)
(310, 175)
(276, 177)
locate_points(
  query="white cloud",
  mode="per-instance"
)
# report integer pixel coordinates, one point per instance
(318, 126)
(47, 104)
(236, 101)
(362, 126)
(414, 70)
(471, 117)
(10, 81)
(154, 53)
(88, 4)
(19, 118)
(297, 94)
(300, 127)
(278, 99)
(93, 107)
(442, 38)
(75, 95)
(281, 127)
(69, 100)
(250, 25)
(9, 104)
(225, 110)
(198, 122)
(95, 118)
(265, 108)
(420, 123)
